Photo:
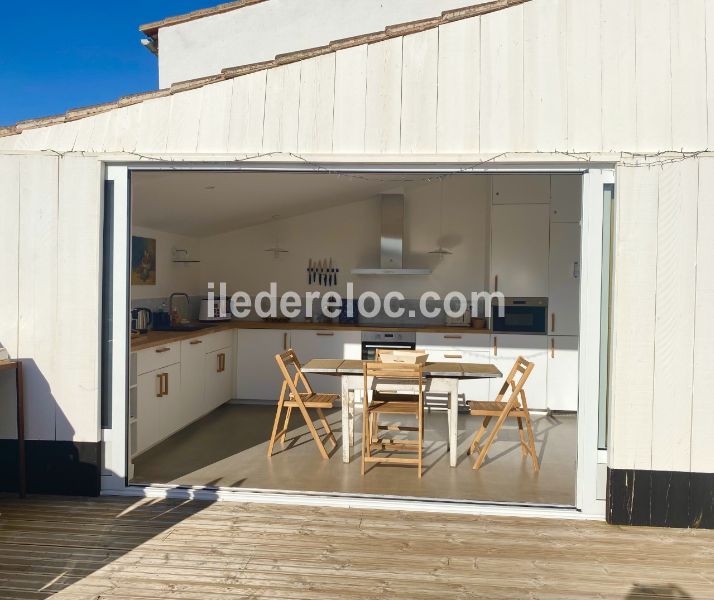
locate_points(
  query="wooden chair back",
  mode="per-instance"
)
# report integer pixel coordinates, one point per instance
(515, 380)
(293, 376)
(400, 375)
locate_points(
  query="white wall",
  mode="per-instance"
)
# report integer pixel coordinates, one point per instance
(262, 31)
(349, 234)
(170, 276)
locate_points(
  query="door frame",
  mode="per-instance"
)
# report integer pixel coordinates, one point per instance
(589, 458)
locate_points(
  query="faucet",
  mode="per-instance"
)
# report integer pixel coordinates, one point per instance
(171, 304)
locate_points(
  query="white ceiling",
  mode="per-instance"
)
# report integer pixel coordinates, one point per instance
(201, 203)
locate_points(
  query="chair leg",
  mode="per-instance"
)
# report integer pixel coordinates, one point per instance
(531, 443)
(288, 413)
(313, 432)
(521, 436)
(479, 435)
(421, 442)
(365, 440)
(374, 428)
(492, 436)
(326, 426)
(277, 420)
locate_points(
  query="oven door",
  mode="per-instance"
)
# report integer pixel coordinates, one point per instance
(521, 319)
(369, 349)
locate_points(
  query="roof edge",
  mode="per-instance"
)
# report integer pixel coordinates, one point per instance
(392, 31)
(152, 29)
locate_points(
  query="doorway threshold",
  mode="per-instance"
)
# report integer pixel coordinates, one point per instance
(355, 501)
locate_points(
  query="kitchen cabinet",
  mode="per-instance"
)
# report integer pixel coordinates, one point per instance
(519, 249)
(563, 373)
(194, 402)
(564, 279)
(505, 348)
(566, 196)
(520, 189)
(218, 377)
(258, 374)
(460, 348)
(326, 344)
(158, 401)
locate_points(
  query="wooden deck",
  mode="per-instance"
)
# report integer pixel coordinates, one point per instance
(118, 548)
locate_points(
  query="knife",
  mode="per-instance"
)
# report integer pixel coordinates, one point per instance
(330, 275)
(309, 271)
(323, 275)
(318, 273)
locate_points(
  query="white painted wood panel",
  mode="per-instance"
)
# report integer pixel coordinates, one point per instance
(153, 126)
(584, 75)
(317, 105)
(384, 97)
(654, 81)
(247, 113)
(501, 117)
(78, 299)
(61, 137)
(709, 25)
(674, 321)
(9, 261)
(457, 121)
(103, 124)
(419, 92)
(184, 121)
(689, 75)
(282, 101)
(350, 100)
(633, 318)
(545, 86)
(214, 122)
(703, 384)
(123, 136)
(619, 104)
(37, 286)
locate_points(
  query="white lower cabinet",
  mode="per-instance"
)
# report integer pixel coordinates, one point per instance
(563, 373)
(218, 375)
(326, 344)
(258, 374)
(171, 396)
(505, 348)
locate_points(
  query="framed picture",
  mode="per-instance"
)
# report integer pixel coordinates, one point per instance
(143, 261)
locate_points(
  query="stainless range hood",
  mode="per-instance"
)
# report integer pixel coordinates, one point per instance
(392, 240)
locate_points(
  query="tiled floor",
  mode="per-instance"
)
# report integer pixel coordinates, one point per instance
(228, 448)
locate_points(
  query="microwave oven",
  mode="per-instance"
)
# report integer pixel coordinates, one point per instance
(520, 315)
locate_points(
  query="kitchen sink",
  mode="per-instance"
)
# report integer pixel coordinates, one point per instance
(186, 327)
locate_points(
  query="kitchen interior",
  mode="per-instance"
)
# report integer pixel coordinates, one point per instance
(204, 388)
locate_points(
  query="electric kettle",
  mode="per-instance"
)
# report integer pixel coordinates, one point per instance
(140, 319)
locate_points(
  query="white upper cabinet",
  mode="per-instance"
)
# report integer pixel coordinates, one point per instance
(521, 189)
(564, 279)
(566, 193)
(519, 249)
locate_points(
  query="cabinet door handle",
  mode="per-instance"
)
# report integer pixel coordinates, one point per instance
(495, 346)
(194, 342)
(495, 283)
(285, 341)
(329, 334)
(221, 363)
(160, 350)
(552, 322)
(160, 377)
(453, 337)
(552, 347)
(166, 384)
(453, 356)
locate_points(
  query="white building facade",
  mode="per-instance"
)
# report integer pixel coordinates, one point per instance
(593, 86)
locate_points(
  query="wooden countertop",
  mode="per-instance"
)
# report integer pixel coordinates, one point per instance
(157, 338)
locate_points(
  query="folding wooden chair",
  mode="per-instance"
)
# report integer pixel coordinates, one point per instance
(291, 397)
(397, 389)
(515, 407)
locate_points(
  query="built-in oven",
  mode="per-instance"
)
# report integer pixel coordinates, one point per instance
(378, 340)
(520, 315)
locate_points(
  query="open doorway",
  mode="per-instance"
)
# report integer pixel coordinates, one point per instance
(201, 411)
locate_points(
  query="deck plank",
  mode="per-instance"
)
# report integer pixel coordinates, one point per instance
(128, 549)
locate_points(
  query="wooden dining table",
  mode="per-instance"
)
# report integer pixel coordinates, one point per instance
(442, 378)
